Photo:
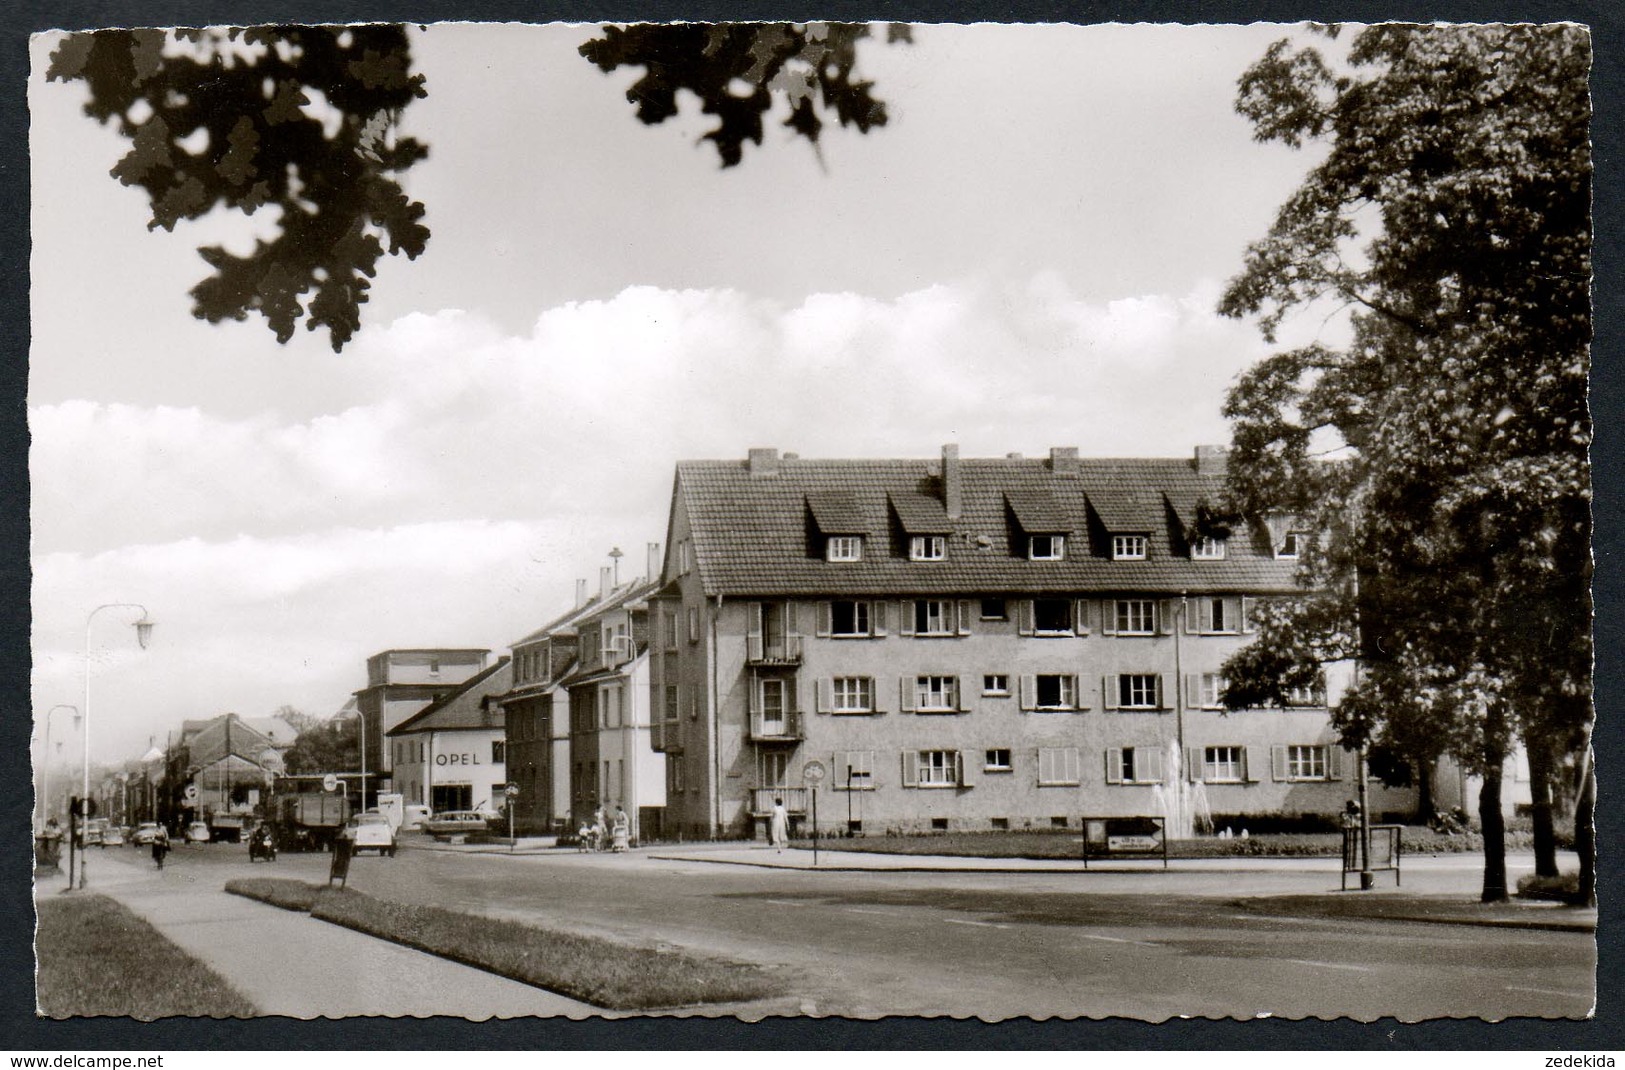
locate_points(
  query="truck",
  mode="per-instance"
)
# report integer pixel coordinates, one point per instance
(308, 820)
(225, 826)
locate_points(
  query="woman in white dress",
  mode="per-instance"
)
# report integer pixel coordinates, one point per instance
(778, 828)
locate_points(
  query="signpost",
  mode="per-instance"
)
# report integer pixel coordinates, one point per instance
(812, 773)
(1118, 837)
(511, 792)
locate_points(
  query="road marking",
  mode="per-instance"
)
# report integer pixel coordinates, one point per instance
(1119, 940)
(1550, 992)
(860, 910)
(785, 902)
(1327, 965)
(963, 921)
(1278, 917)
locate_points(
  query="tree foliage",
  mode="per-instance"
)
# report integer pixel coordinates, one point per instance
(331, 746)
(1451, 215)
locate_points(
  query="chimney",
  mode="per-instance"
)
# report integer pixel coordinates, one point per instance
(764, 461)
(581, 593)
(1063, 460)
(603, 583)
(953, 494)
(1212, 460)
(654, 563)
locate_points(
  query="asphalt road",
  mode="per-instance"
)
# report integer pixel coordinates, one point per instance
(997, 945)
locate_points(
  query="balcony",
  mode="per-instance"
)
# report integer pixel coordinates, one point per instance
(761, 800)
(784, 727)
(772, 651)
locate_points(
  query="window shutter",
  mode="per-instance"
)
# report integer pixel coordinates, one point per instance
(1334, 762)
(1029, 692)
(803, 618)
(825, 620)
(1108, 693)
(1024, 616)
(1278, 768)
(911, 769)
(1232, 613)
(1114, 765)
(1165, 690)
(905, 691)
(1197, 606)
(967, 768)
(905, 621)
(1252, 764)
(964, 618)
(753, 695)
(877, 617)
(1193, 690)
(837, 771)
(753, 621)
(1080, 616)
(1193, 764)
(1046, 765)
(1108, 617)
(1081, 687)
(1072, 769)
(1247, 605)
(877, 700)
(1148, 765)
(822, 690)
(1165, 616)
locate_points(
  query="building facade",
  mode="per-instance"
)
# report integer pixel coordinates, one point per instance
(972, 645)
(401, 683)
(536, 713)
(452, 754)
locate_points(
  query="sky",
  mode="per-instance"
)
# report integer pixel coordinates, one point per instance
(1028, 255)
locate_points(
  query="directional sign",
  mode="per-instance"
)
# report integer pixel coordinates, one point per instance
(812, 772)
(190, 794)
(512, 791)
(330, 782)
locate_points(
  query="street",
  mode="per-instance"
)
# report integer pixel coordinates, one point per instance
(1146, 944)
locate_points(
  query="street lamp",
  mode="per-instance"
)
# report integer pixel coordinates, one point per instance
(143, 635)
(45, 785)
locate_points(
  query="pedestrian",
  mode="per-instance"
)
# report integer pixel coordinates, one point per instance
(622, 831)
(600, 829)
(1351, 814)
(778, 828)
(160, 845)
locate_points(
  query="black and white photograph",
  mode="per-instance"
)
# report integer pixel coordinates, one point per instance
(812, 520)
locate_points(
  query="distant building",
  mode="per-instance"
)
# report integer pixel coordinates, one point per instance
(971, 645)
(221, 764)
(399, 684)
(451, 755)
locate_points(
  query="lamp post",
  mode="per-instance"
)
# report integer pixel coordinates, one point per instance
(143, 635)
(45, 785)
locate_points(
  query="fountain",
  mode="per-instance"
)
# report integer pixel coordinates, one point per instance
(1184, 803)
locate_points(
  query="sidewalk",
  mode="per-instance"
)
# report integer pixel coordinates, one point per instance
(288, 963)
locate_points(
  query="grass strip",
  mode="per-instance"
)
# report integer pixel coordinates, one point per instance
(588, 968)
(1067, 845)
(97, 958)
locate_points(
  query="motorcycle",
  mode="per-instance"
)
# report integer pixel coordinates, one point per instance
(262, 845)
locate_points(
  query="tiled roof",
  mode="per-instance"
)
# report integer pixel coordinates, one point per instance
(1036, 510)
(921, 514)
(836, 513)
(1127, 508)
(464, 707)
(751, 536)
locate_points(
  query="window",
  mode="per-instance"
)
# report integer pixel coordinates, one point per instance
(1046, 547)
(1134, 765)
(849, 618)
(693, 624)
(499, 751)
(1057, 692)
(1058, 765)
(997, 760)
(1137, 691)
(1208, 548)
(854, 771)
(1304, 696)
(927, 548)
(937, 769)
(933, 617)
(434, 666)
(844, 548)
(1305, 763)
(994, 609)
(1052, 616)
(674, 703)
(1220, 615)
(685, 557)
(669, 627)
(936, 693)
(1127, 771)
(1136, 616)
(1210, 686)
(996, 683)
(1222, 764)
(1128, 547)
(674, 767)
(853, 694)
(1289, 544)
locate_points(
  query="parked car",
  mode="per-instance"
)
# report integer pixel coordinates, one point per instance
(456, 823)
(91, 834)
(197, 832)
(413, 816)
(144, 834)
(370, 830)
(112, 836)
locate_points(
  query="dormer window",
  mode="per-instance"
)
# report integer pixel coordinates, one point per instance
(1046, 548)
(1128, 547)
(1290, 543)
(844, 548)
(927, 548)
(1208, 548)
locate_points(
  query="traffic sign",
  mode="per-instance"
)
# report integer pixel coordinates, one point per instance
(813, 772)
(330, 782)
(190, 794)
(82, 807)
(512, 791)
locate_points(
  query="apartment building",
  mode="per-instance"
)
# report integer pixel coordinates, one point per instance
(970, 644)
(400, 683)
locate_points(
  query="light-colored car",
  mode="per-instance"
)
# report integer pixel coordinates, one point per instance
(456, 823)
(413, 816)
(112, 836)
(197, 832)
(144, 834)
(370, 831)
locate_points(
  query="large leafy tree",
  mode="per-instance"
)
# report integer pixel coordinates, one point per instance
(331, 746)
(1443, 450)
(301, 121)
